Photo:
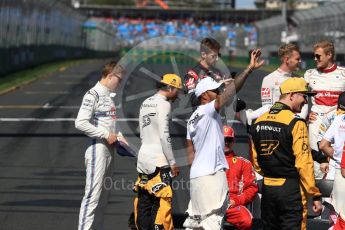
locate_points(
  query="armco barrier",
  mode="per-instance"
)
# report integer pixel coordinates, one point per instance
(14, 59)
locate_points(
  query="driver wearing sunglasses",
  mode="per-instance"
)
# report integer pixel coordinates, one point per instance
(328, 81)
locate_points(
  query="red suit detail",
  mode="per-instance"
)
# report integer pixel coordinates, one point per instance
(242, 190)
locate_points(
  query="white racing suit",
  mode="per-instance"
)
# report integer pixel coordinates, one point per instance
(152, 206)
(335, 135)
(328, 84)
(155, 150)
(325, 124)
(270, 93)
(96, 119)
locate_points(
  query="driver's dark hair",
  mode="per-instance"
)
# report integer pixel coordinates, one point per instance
(209, 44)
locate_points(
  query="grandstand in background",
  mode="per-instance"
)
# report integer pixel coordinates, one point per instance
(29, 28)
(305, 27)
(212, 13)
(163, 4)
(293, 5)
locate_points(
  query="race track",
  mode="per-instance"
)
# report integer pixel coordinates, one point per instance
(42, 155)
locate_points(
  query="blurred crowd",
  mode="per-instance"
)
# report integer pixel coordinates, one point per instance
(134, 31)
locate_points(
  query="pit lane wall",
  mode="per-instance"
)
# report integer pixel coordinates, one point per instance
(34, 32)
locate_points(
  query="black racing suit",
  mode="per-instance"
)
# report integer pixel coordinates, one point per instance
(281, 153)
(194, 75)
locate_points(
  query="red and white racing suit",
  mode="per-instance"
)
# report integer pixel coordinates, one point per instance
(242, 190)
(328, 84)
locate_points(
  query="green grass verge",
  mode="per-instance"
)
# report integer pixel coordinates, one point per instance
(17, 79)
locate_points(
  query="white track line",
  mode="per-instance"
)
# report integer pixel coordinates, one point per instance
(141, 95)
(46, 92)
(26, 119)
(45, 106)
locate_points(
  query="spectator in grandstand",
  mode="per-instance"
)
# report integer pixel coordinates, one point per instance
(281, 154)
(133, 31)
(328, 80)
(205, 148)
(156, 162)
(209, 55)
(241, 182)
(97, 119)
(336, 134)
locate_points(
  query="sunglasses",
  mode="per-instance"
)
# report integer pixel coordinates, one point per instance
(215, 91)
(305, 96)
(317, 56)
(118, 77)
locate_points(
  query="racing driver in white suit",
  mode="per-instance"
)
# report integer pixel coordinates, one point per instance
(96, 119)
(290, 58)
(328, 80)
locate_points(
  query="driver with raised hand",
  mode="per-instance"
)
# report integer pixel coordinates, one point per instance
(205, 149)
(209, 56)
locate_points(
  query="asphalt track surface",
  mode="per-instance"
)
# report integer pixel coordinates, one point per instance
(42, 173)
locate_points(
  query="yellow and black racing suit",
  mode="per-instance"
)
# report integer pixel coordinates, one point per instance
(152, 206)
(281, 153)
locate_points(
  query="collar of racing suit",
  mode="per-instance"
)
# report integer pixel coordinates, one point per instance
(328, 70)
(288, 74)
(203, 67)
(161, 96)
(278, 106)
(103, 88)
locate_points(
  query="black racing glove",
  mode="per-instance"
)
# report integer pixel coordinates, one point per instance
(318, 156)
(239, 105)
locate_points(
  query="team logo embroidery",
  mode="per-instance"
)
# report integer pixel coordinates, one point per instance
(268, 146)
(147, 119)
(159, 227)
(193, 74)
(305, 147)
(190, 83)
(258, 128)
(158, 187)
(265, 92)
(113, 113)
